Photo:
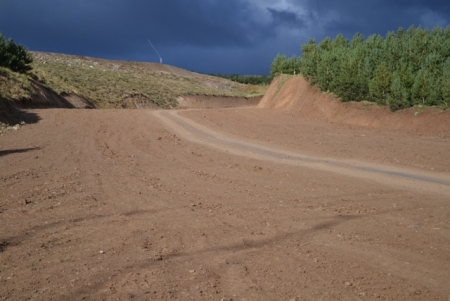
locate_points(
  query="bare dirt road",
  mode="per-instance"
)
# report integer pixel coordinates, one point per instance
(222, 204)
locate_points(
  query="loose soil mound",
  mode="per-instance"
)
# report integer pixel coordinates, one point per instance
(137, 101)
(205, 102)
(301, 99)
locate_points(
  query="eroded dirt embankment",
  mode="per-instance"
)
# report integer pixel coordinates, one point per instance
(13, 111)
(210, 102)
(298, 98)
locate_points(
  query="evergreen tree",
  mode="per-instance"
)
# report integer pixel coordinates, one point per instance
(433, 65)
(13, 56)
(398, 97)
(277, 63)
(326, 70)
(435, 95)
(392, 51)
(338, 58)
(339, 42)
(357, 40)
(325, 45)
(350, 81)
(325, 64)
(373, 55)
(309, 60)
(283, 64)
(290, 66)
(379, 86)
(421, 88)
(445, 84)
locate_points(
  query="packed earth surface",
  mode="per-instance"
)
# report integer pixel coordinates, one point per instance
(298, 197)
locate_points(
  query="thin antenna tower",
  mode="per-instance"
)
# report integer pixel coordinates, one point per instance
(160, 58)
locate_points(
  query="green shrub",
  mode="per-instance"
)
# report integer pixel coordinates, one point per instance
(14, 56)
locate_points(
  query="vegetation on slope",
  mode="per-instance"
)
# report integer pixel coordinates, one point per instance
(247, 79)
(14, 85)
(109, 84)
(14, 56)
(15, 61)
(104, 83)
(405, 69)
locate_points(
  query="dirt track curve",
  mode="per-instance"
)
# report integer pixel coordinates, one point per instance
(415, 180)
(221, 204)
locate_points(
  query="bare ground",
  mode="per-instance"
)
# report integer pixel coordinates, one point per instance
(205, 205)
(303, 198)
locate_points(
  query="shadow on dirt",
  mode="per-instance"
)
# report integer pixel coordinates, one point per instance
(11, 114)
(305, 234)
(44, 97)
(270, 241)
(17, 151)
(36, 230)
(28, 117)
(17, 240)
(13, 111)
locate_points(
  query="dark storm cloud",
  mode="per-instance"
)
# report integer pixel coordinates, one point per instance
(118, 25)
(285, 18)
(381, 16)
(204, 35)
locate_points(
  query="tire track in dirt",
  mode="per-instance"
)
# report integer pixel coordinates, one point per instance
(400, 177)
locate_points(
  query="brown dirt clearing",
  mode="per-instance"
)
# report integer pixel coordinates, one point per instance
(135, 205)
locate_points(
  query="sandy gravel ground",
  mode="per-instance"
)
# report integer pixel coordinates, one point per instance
(223, 204)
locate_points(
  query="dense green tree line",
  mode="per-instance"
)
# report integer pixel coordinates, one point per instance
(14, 56)
(247, 79)
(406, 68)
(284, 65)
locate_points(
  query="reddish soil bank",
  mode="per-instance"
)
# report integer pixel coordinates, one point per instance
(205, 102)
(298, 98)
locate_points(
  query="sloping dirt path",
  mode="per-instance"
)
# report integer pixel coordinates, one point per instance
(390, 175)
(120, 205)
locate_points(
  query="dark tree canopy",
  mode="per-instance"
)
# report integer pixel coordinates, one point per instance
(14, 56)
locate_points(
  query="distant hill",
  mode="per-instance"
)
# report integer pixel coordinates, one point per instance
(59, 80)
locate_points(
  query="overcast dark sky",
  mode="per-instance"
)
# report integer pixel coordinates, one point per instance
(210, 36)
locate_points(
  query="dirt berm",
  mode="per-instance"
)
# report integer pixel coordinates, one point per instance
(297, 97)
(209, 102)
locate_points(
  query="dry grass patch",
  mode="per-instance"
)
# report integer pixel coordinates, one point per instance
(109, 84)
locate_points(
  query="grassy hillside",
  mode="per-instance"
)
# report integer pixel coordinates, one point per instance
(14, 85)
(111, 84)
(115, 84)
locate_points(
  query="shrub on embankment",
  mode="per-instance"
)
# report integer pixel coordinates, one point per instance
(15, 62)
(406, 68)
(14, 56)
